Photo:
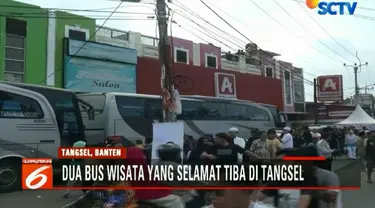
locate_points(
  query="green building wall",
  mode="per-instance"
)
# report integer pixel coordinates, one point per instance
(36, 44)
(37, 39)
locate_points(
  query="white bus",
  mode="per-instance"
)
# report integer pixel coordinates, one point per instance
(279, 118)
(35, 121)
(132, 116)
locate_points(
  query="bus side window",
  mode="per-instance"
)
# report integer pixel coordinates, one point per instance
(214, 110)
(236, 112)
(154, 109)
(130, 106)
(190, 110)
(256, 114)
(18, 106)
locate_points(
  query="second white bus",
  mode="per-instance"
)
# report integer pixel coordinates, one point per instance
(132, 116)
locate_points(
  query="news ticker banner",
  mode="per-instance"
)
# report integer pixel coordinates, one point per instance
(38, 174)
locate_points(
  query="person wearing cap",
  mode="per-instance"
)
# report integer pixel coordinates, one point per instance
(351, 144)
(287, 139)
(233, 132)
(325, 150)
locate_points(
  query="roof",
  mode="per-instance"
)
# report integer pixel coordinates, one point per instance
(270, 53)
(36, 86)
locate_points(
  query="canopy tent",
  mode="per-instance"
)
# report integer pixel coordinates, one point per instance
(358, 117)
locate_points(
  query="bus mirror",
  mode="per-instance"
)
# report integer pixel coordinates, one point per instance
(91, 114)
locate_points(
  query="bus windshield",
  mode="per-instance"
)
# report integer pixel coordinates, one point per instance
(277, 116)
(65, 106)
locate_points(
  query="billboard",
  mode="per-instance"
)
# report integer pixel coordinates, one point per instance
(329, 88)
(89, 75)
(225, 85)
(364, 99)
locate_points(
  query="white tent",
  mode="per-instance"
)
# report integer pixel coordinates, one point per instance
(358, 117)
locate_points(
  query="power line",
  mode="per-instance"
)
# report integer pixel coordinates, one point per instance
(308, 81)
(303, 27)
(100, 27)
(311, 17)
(291, 32)
(70, 10)
(359, 7)
(181, 6)
(77, 18)
(210, 36)
(217, 35)
(252, 29)
(364, 17)
(237, 30)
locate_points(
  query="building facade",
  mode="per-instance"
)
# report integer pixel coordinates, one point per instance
(32, 42)
(256, 75)
(65, 50)
(23, 45)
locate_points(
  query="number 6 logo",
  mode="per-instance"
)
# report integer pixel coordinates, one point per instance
(37, 176)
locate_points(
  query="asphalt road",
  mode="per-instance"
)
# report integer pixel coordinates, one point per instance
(363, 198)
(53, 199)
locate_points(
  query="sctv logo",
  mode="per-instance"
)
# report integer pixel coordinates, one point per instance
(332, 7)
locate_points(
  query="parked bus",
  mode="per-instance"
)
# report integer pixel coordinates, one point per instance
(278, 117)
(132, 116)
(35, 121)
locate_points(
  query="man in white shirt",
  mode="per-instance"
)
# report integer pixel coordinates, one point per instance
(287, 139)
(325, 150)
(233, 132)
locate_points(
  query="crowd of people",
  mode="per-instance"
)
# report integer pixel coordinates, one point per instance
(230, 148)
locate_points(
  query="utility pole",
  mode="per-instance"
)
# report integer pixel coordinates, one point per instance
(355, 67)
(165, 61)
(316, 113)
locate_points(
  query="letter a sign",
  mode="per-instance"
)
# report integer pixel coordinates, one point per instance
(329, 88)
(225, 85)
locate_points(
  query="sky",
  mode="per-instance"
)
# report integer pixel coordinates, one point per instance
(320, 44)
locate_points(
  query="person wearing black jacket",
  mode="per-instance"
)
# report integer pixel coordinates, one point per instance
(306, 135)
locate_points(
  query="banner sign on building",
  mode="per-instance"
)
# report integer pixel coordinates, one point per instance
(225, 85)
(88, 75)
(330, 88)
(95, 67)
(101, 51)
(364, 99)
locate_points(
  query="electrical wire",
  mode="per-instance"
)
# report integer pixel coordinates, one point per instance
(308, 31)
(364, 17)
(292, 33)
(67, 14)
(186, 9)
(359, 7)
(269, 40)
(206, 33)
(308, 81)
(102, 25)
(239, 31)
(212, 34)
(321, 27)
(78, 18)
